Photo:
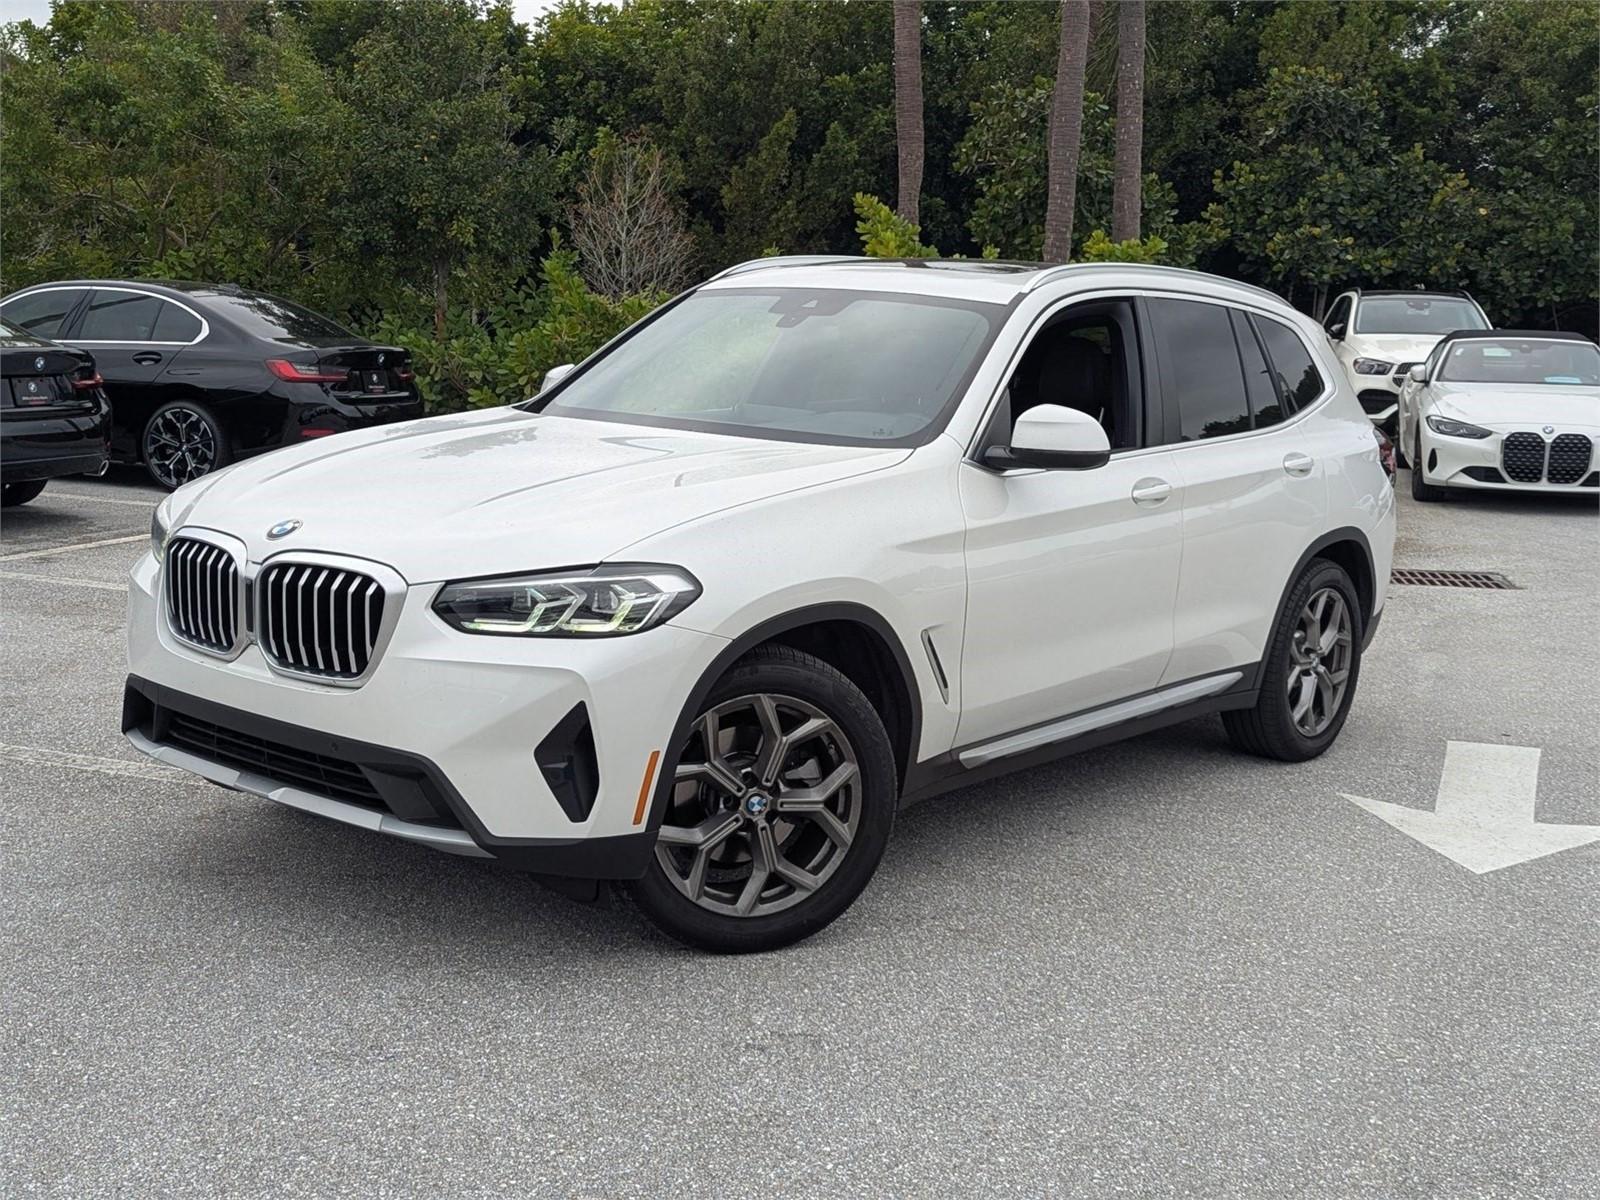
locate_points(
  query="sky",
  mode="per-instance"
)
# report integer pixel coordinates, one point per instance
(38, 11)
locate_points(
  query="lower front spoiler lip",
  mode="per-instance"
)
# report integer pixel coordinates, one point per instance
(452, 841)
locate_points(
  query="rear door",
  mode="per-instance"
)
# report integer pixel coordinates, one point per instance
(135, 337)
(1254, 490)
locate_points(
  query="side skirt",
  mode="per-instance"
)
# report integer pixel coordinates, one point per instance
(946, 773)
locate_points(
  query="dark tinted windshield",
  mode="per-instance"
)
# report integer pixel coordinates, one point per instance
(279, 320)
(1417, 314)
(856, 368)
(1521, 360)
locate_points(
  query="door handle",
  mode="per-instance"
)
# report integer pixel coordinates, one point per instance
(1151, 491)
(1298, 464)
(146, 358)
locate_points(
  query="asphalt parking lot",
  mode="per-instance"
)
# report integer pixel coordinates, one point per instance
(1159, 969)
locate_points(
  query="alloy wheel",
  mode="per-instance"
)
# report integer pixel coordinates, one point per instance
(180, 445)
(765, 805)
(1320, 654)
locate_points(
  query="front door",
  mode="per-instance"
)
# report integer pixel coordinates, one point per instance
(128, 334)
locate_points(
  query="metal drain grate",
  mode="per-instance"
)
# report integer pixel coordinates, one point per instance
(1421, 577)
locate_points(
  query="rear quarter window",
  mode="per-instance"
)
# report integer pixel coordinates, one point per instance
(1298, 380)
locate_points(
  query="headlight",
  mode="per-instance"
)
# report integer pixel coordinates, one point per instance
(1449, 428)
(607, 600)
(1372, 366)
(159, 528)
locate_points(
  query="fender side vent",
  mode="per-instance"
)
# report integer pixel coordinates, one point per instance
(567, 761)
(1421, 577)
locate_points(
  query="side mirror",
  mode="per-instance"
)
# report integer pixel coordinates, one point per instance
(1054, 437)
(555, 375)
(1418, 373)
(1336, 331)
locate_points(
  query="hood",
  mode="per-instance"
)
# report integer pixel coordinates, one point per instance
(1396, 347)
(502, 490)
(1510, 405)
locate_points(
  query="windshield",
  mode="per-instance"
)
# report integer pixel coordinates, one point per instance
(823, 365)
(1521, 360)
(1417, 314)
(280, 320)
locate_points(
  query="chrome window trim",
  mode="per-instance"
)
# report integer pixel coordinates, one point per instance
(394, 590)
(205, 325)
(235, 549)
(1329, 387)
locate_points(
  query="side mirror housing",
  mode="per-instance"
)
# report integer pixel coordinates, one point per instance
(1336, 331)
(555, 375)
(1418, 373)
(1053, 437)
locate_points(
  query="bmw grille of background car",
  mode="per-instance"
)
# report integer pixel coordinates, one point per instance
(283, 528)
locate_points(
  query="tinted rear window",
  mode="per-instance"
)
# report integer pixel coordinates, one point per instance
(1201, 362)
(176, 324)
(1298, 377)
(119, 317)
(279, 320)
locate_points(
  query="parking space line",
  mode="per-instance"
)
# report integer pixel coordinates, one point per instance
(150, 503)
(37, 756)
(70, 546)
(64, 581)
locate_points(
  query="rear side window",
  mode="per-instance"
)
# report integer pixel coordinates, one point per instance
(120, 317)
(1200, 361)
(175, 324)
(41, 313)
(1299, 381)
(1266, 401)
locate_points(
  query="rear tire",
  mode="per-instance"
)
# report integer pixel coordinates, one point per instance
(773, 831)
(1421, 489)
(183, 441)
(13, 494)
(1309, 677)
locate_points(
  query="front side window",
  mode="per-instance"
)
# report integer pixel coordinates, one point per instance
(1521, 361)
(1298, 380)
(1417, 315)
(42, 313)
(1339, 314)
(801, 364)
(120, 317)
(1200, 360)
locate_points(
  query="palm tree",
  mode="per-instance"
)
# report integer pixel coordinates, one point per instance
(1128, 176)
(1066, 130)
(908, 105)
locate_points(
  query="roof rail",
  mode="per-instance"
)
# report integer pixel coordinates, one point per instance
(786, 260)
(1044, 277)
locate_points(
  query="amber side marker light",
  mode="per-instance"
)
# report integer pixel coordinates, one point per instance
(644, 787)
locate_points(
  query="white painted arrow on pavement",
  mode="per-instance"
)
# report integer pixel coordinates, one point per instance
(1483, 818)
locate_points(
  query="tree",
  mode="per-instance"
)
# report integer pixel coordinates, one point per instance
(1127, 187)
(908, 106)
(628, 227)
(1066, 128)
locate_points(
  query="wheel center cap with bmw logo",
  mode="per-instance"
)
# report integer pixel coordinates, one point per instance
(283, 528)
(756, 804)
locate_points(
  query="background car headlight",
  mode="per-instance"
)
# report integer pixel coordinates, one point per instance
(159, 528)
(1449, 428)
(607, 600)
(1372, 366)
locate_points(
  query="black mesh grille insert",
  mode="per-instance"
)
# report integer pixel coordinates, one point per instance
(318, 620)
(1484, 474)
(282, 764)
(1522, 456)
(1569, 458)
(202, 589)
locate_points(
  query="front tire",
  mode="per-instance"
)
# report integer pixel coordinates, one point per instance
(782, 804)
(1421, 489)
(1309, 678)
(183, 441)
(13, 494)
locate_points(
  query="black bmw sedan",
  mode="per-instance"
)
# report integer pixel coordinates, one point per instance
(54, 419)
(200, 374)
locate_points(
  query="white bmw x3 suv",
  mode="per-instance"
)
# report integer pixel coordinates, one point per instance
(1503, 410)
(817, 538)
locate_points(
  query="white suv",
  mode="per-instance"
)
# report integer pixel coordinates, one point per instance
(1379, 336)
(817, 538)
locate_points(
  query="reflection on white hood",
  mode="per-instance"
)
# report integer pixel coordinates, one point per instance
(1396, 348)
(1520, 406)
(486, 492)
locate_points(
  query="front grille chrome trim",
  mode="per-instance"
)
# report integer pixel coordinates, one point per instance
(296, 583)
(203, 592)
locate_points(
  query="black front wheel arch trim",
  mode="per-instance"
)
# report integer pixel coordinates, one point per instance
(1368, 609)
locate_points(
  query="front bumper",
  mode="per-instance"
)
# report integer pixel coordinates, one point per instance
(441, 744)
